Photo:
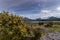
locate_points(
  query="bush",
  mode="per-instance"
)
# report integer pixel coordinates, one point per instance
(40, 23)
(49, 25)
(13, 27)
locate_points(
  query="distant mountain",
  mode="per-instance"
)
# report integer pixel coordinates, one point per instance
(49, 19)
(39, 19)
(52, 19)
(26, 19)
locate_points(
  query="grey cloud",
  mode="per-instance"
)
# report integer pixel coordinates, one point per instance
(27, 4)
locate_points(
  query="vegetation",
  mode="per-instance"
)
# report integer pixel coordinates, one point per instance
(13, 27)
(49, 24)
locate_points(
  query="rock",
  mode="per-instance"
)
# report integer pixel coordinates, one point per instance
(51, 36)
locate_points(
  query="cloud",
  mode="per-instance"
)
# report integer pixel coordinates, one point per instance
(32, 16)
(58, 8)
(49, 13)
(45, 14)
(32, 8)
(45, 11)
(26, 4)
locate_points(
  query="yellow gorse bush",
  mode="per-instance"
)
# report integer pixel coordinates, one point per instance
(13, 27)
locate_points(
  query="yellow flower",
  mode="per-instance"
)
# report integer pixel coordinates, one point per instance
(0, 24)
(22, 29)
(10, 32)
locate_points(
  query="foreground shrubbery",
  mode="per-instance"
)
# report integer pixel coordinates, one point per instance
(13, 27)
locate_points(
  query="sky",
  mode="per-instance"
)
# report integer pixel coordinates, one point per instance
(32, 8)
